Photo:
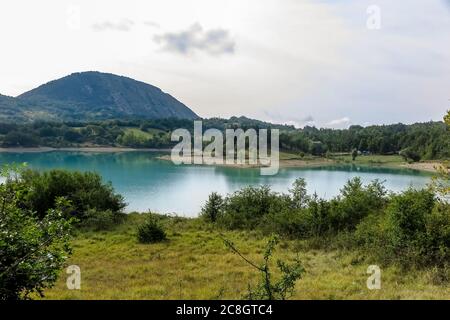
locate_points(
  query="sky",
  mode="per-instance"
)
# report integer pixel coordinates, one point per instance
(328, 63)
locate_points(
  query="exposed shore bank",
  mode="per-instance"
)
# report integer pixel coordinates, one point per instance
(319, 162)
(284, 163)
(423, 166)
(80, 149)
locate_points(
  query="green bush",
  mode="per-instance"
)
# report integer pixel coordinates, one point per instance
(297, 214)
(32, 250)
(101, 220)
(438, 235)
(312, 216)
(151, 231)
(407, 218)
(371, 235)
(246, 208)
(287, 222)
(414, 230)
(412, 227)
(356, 202)
(85, 190)
(319, 217)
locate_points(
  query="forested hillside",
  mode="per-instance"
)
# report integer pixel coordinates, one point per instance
(425, 141)
(430, 140)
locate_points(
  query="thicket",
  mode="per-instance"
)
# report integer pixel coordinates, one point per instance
(410, 228)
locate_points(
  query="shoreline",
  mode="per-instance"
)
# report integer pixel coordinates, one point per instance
(429, 167)
(423, 166)
(284, 163)
(79, 149)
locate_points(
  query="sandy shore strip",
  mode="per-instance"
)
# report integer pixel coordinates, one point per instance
(423, 166)
(297, 163)
(80, 149)
(288, 163)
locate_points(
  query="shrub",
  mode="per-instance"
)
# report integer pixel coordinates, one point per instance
(313, 217)
(151, 231)
(370, 234)
(101, 220)
(356, 202)
(407, 213)
(319, 217)
(245, 208)
(299, 215)
(287, 222)
(414, 230)
(85, 190)
(438, 235)
(32, 250)
(267, 288)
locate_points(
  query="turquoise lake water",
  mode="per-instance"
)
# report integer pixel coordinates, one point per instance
(151, 184)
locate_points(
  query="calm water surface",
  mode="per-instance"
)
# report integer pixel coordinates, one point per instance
(151, 184)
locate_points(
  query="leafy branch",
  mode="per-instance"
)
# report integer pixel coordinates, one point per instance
(267, 289)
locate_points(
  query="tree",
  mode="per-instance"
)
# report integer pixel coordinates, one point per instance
(354, 154)
(20, 139)
(213, 207)
(317, 148)
(407, 154)
(32, 250)
(73, 136)
(299, 193)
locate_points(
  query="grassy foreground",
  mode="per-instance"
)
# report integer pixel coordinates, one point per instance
(194, 263)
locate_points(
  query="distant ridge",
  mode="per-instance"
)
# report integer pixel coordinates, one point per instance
(93, 96)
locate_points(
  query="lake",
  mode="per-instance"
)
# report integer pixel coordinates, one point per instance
(148, 183)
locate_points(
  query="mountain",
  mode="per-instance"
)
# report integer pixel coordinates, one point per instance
(8, 107)
(94, 96)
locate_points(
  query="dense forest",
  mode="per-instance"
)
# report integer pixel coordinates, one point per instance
(430, 140)
(427, 141)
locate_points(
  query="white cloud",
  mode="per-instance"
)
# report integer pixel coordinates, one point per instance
(298, 122)
(295, 58)
(213, 41)
(339, 123)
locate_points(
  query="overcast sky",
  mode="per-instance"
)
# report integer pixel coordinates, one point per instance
(322, 63)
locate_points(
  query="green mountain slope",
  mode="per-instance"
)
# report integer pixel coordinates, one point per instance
(93, 96)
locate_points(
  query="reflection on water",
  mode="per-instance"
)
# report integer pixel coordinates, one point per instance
(151, 184)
